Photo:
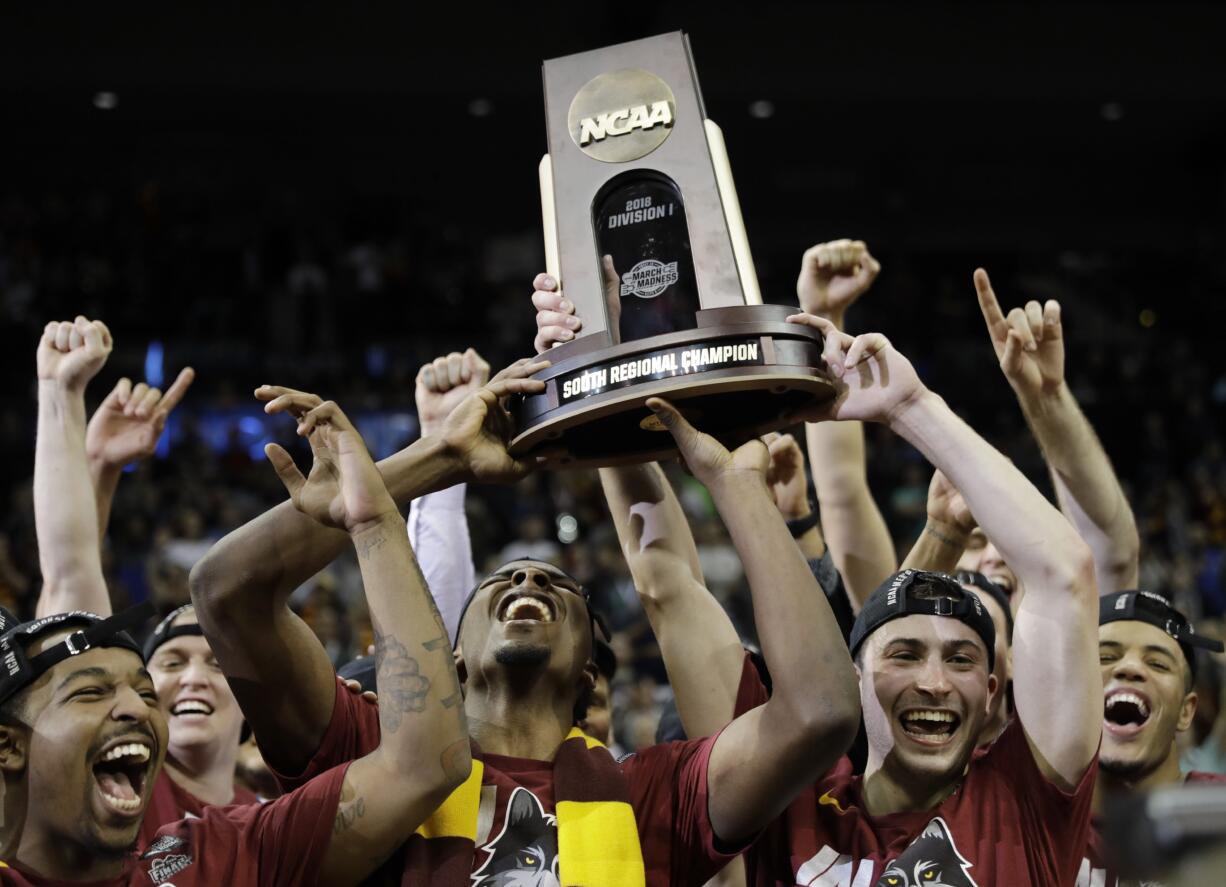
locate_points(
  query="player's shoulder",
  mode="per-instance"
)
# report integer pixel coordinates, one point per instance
(656, 760)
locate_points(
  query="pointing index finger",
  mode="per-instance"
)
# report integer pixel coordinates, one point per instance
(990, 307)
(174, 394)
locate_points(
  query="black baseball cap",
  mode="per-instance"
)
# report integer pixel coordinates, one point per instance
(19, 670)
(1154, 609)
(924, 593)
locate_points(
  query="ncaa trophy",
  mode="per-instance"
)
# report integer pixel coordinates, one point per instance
(643, 230)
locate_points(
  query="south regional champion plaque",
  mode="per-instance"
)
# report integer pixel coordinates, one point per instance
(644, 232)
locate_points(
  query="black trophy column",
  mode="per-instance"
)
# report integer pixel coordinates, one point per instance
(640, 222)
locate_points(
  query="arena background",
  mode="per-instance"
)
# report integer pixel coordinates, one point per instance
(327, 198)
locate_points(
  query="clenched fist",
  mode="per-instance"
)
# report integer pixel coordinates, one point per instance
(833, 276)
(70, 354)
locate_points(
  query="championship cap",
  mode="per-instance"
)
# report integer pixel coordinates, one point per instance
(20, 670)
(923, 593)
(7, 620)
(1154, 609)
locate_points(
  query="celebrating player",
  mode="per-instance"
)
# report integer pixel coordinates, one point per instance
(83, 736)
(544, 797)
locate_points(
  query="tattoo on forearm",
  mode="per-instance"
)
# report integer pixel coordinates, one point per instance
(369, 544)
(944, 539)
(402, 686)
(349, 809)
(441, 642)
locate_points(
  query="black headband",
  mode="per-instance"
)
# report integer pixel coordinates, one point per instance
(20, 670)
(1153, 609)
(595, 620)
(166, 630)
(900, 596)
(163, 631)
(994, 591)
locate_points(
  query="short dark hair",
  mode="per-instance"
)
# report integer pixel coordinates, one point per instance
(15, 712)
(583, 703)
(605, 659)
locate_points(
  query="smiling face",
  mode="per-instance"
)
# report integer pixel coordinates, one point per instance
(526, 617)
(981, 556)
(199, 707)
(1146, 698)
(925, 690)
(96, 741)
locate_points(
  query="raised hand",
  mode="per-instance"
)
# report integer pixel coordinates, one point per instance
(833, 276)
(70, 354)
(344, 488)
(1029, 342)
(707, 458)
(127, 425)
(443, 383)
(478, 429)
(872, 381)
(946, 505)
(786, 475)
(556, 321)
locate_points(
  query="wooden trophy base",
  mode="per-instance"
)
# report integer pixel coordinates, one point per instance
(739, 374)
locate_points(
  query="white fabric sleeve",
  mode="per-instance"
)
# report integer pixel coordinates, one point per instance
(438, 532)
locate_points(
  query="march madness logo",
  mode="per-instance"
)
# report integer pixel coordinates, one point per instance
(649, 278)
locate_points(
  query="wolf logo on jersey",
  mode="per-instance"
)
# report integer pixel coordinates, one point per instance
(931, 860)
(525, 853)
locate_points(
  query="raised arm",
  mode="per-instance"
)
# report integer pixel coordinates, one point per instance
(438, 526)
(1055, 635)
(698, 643)
(832, 278)
(790, 488)
(69, 355)
(1029, 343)
(767, 755)
(279, 672)
(948, 528)
(125, 428)
(423, 753)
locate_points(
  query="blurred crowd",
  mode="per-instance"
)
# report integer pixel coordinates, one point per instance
(292, 290)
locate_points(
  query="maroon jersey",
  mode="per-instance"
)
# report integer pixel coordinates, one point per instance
(246, 845)
(1004, 824)
(171, 802)
(667, 789)
(1095, 870)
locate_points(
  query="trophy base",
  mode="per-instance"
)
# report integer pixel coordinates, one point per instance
(741, 373)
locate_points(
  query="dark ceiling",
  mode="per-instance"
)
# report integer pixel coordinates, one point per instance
(1006, 125)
